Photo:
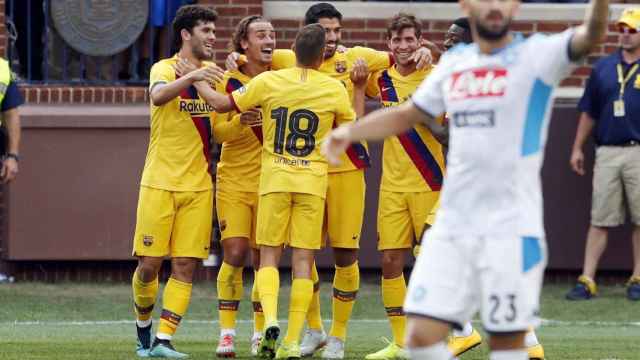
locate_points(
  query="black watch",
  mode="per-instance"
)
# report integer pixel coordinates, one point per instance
(14, 156)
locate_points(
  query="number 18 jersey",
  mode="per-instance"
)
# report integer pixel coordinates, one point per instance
(299, 108)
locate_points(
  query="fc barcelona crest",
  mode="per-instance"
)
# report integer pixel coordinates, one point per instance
(341, 66)
(147, 240)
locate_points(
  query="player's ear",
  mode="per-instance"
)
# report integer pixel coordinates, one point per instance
(185, 34)
(244, 44)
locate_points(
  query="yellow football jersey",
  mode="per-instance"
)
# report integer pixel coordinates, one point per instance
(299, 108)
(239, 165)
(178, 158)
(413, 161)
(339, 67)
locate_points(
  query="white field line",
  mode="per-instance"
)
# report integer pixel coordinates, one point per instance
(545, 322)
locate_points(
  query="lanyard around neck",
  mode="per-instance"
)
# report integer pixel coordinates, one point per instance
(622, 80)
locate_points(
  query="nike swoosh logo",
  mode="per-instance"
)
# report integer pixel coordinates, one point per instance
(385, 88)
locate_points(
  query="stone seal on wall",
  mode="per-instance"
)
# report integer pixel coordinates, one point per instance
(99, 27)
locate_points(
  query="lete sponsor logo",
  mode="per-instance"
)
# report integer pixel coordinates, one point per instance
(478, 83)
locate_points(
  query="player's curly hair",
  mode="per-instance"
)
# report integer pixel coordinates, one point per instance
(403, 21)
(242, 32)
(188, 17)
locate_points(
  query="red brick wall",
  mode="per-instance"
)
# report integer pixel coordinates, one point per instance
(369, 32)
(372, 33)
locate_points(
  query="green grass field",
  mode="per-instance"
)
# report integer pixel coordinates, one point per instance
(93, 321)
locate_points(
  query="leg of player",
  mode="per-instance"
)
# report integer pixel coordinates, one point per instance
(230, 289)
(258, 315)
(145, 291)
(394, 290)
(508, 346)
(425, 338)
(534, 348)
(301, 292)
(268, 280)
(314, 336)
(346, 282)
(175, 301)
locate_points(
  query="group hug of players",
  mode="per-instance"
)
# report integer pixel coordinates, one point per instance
(270, 112)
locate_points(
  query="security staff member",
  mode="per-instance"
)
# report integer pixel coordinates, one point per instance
(10, 100)
(611, 105)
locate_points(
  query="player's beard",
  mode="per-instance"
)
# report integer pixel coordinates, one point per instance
(199, 53)
(492, 35)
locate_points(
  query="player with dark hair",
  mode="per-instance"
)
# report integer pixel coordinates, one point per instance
(487, 248)
(412, 174)
(301, 105)
(176, 198)
(237, 181)
(458, 32)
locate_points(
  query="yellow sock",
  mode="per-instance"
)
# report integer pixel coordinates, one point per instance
(144, 297)
(393, 293)
(258, 315)
(175, 300)
(346, 283)
(314, 319)
(268, 287)
(230, 290)
(301, 294)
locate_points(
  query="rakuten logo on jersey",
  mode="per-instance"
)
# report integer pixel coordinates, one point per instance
(478, 83)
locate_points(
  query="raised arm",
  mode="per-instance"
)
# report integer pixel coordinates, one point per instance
(592, 31)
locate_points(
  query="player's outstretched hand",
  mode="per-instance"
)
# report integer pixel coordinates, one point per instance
(184, 67)
(232, 61)
(336, 143)
(422, 57)
(340, 49)
(577, 161)
(252, 117)
(360, 73)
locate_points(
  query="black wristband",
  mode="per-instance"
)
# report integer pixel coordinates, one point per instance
(14, 156)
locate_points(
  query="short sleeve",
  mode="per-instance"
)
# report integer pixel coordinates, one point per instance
(372, 85)
(12, 98)
(161, 73)
(376, 60)
(344, 110)
(555, 65)
(250, 95)
(283, 59)
(589, 101)
(429, 97)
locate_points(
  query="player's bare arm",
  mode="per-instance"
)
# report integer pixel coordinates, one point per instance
(359, 76)
(221, 103)
(163, 93)
(592, 31)
(377, 126)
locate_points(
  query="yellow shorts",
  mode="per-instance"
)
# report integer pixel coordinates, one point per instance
(237, 214)
(294, 219)
(431, 218)
(345, 208)
(175, 224)
(401, 217)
